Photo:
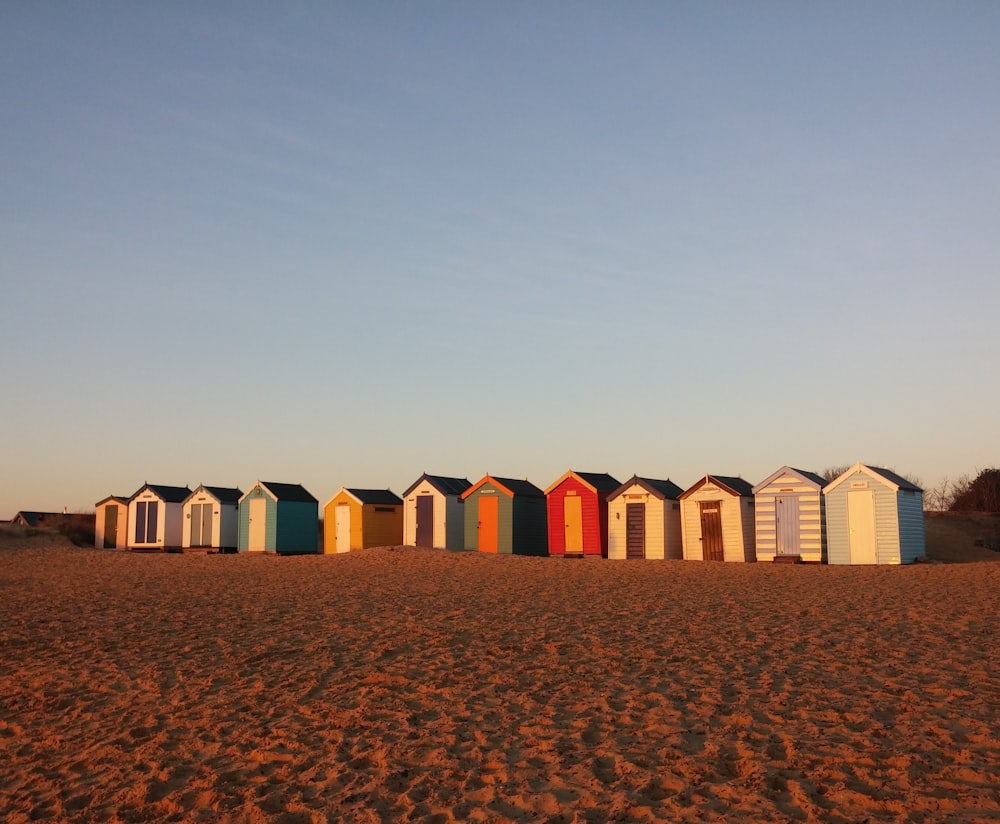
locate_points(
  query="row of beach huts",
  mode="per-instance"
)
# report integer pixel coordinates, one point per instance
(867, 515)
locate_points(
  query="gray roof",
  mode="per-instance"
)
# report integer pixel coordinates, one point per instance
(442, 483)
(526, 488)
(33, 519)
(892, 477)
(812, 476)
(376, 496)
(288, 492)
(662, 489)
(738, 485)
(225, 494)
(601, 481)
(170, 494)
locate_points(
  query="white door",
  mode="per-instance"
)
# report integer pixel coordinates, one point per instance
(861, 526)
(342, 516)
(257, 532)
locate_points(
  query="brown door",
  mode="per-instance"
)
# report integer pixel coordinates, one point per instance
(489, 523)
(711, 531)
(573, 513)
(635, 530)
(111, 526)
(425, 520)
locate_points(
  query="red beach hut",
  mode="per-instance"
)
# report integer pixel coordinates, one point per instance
(577, 506)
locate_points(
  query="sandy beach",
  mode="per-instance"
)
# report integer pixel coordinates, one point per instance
(403, 684)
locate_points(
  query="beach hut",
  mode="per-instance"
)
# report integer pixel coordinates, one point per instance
(279, 518)
(577, 509)
(789, 516)
(434, 512)
(212, 519)
(873, 516)
(644, 520)
(155, 517)
(717, 520)
(362, 518)
(506, 516)
(111, 522)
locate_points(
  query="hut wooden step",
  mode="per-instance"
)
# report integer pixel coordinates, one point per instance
(788, 559)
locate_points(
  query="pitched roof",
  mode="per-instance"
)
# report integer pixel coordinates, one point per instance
(376, 496)
(890, 477)
(666, 490)
(509, 486)
(121, 499)
(893, 478)
(597, 481)
(170, 494)
(33, 519)
(737, 486)
(288, 492)
(442, 483)
(224, 494)
(816, 480)
(516, 487)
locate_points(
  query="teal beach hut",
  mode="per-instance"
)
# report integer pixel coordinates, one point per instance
(278, 518)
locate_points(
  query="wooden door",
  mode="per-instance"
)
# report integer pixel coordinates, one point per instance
(425, 520)
(635, 530)
(711, 531)
(194, 513)
(786, 524)
(257, 528)
(489, 523)
(573, 515)
(861, 526)
(342, 525)
(111, 526)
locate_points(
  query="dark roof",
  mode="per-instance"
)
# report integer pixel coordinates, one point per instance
(892, 477)
(526, 488)
(738, 485)
(226, 494)
(664, 489)
(33, 519)
(170, 494)
(812, 476)
(122, 499)
(442, 483)
(376, 496)
(288, 492)
(601, 481)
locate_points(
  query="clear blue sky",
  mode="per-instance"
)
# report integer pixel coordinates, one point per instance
(342, 244)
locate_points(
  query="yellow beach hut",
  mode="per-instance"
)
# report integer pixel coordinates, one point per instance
(362, 518)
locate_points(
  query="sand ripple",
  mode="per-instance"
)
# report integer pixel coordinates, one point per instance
(423, 685)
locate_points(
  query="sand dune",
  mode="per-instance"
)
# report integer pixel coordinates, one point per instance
(423, 685)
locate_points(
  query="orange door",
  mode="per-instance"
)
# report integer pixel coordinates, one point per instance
(489, 523)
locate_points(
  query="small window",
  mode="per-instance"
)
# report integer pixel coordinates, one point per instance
(385, 509)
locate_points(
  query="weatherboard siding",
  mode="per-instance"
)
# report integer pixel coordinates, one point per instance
(737, 524)
(661, 526)
(912, 540)
(810, 526)
(270, 522)
(454, 527)
(591, 515)
(899, 530)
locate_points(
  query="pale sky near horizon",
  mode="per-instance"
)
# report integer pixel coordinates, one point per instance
(343, 244)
